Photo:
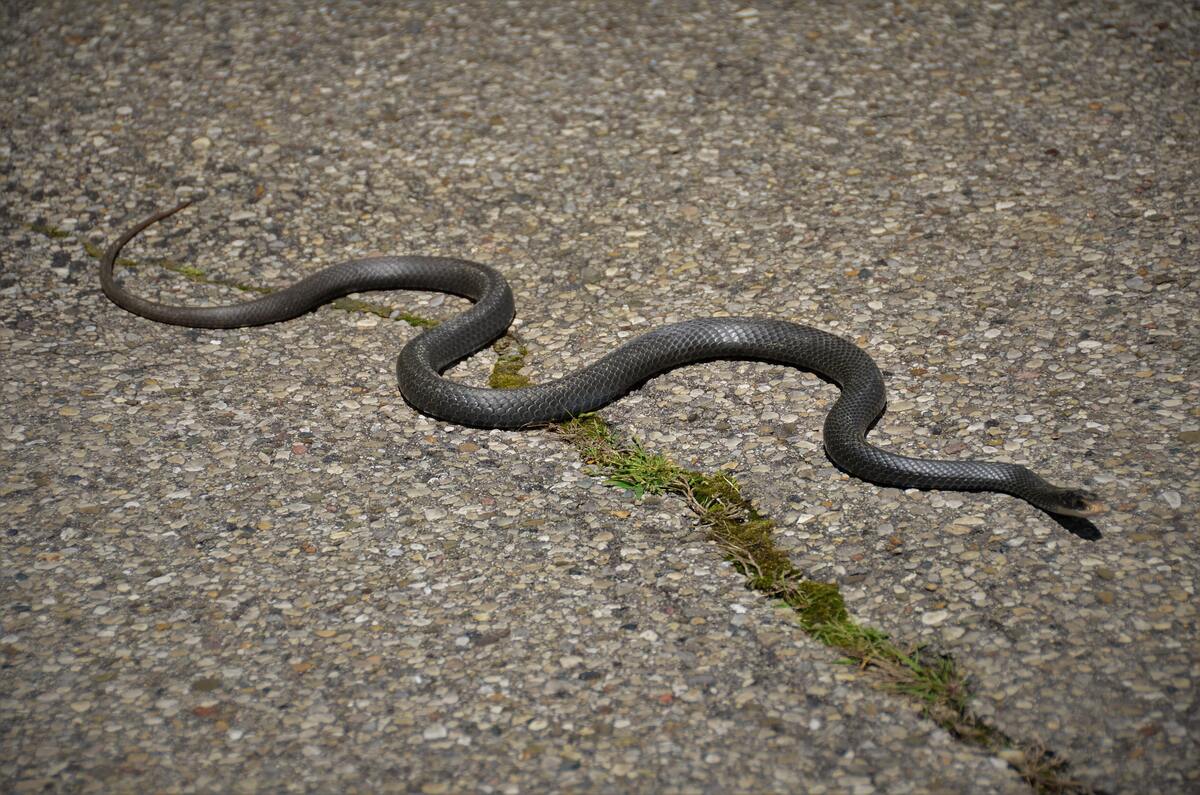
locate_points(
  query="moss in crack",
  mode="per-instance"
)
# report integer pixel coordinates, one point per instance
(382, 310)
(744, 537)
(510, 358)
(195, 274)
(95, 252)
(47, 230)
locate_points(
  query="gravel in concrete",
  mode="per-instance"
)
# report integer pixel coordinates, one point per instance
(236, 561)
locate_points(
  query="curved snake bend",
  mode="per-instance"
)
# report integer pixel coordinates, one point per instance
(589, 388)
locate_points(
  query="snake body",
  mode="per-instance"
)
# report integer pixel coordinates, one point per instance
(423, 360)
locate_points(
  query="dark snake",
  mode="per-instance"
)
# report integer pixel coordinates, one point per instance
(423, 360)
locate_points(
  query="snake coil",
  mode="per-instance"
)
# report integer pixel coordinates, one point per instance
(422, 361)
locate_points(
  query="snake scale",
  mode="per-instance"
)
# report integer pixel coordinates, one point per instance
(423, 360)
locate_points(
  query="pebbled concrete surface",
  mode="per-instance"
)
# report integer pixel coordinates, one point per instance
(234, 561)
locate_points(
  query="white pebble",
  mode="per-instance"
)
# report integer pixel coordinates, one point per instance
(934, 617)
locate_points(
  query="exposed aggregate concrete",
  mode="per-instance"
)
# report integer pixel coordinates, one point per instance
(236, 560)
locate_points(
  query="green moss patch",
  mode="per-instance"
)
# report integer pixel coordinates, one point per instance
(382, 310)
(744, 538)
(510, 358)
(48, 230)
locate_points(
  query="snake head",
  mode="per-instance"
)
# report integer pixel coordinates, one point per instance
(1075, 502)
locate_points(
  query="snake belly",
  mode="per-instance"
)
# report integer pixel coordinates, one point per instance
(422, 361)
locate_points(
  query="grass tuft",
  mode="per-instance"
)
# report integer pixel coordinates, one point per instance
(744, 536)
